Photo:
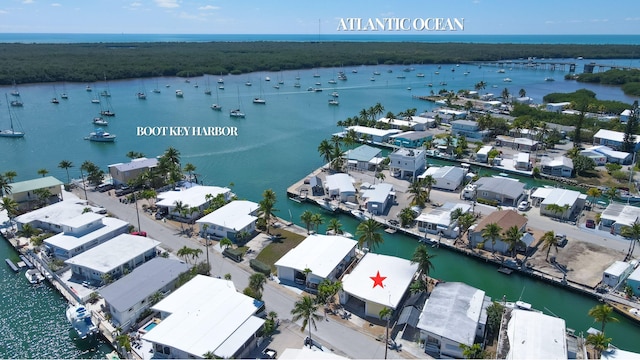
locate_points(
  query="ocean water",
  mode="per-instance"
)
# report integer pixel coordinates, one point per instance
(276, 146)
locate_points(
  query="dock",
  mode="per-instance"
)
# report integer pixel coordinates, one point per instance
(13, 266)
(505, 270)
(26, 261)
(628, 312)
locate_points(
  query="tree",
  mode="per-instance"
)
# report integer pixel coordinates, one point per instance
(418, 195)
(28, 231)
(369, 234)
(155, 298)
(10, 175)
(429, 182)
(549, 240)
(505, 95)
(66, 165)
(317, 220)
(556, 209)
(43, 172)
(629, 137)
(185, 252)
(632, 232)
(407, 216)
(124, 342)
(492, 232)
(5, 185)
(464, 223)
(43, 195)
(190, 168)
(594, 193)
(10, 206)
(582, 164)
(180, 208)
(513, 237)
(225, 243)
(494, 317)
(307, 219)
(599, 341)
(266, 206)
(602, 314)
(422, 257)
(335, 226)
(209, 355)
(256, 283)
(522, 93)
(385, 314)
(326, 150)
(474, 351)
(305, 309)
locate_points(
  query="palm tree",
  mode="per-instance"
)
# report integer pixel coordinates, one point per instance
(10, 175)
(180, 208)
(316, 219)
(464, 223)
(513, 237)
(209, 355)
(256, 283)
(492, 232)
(599, 341)
(549, 240)
(185, 252)
(190, 168)
(66, 164)
(305, 309)
(5, 185)
(28, 231)
(428, 182)
(417, 193)
(335, 226)
(10, 206)
(43, 172)
(632, 232)
(422, 257)
(134, 155)
(195, 254)
(602, 314)
(594, 193)
(266, 207)
(225, 243)
(172, 155)
(325, 149)
(385, 314)
(555, 208)
(505, 95)
(368, 231)
(337, 158)
(406, 216)
(522, 93)
(307, 219)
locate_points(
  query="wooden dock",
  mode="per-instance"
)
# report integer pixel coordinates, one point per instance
(13, 266)
(626, 311)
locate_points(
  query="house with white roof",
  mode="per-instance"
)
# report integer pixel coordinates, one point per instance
(426, 121)
(407, 162)
(412, 139)
(446, 177)
(483, 154)
(403, 124)
(327, 256)
(522, 161)
(572, 202)
(506, 191)
(624, 115)
(557, 166)
(557, 107)
(610, 155)
(364, 157)
(50, 218)
(617, 216)
(82, 233)
(340, 186)
(206, 315)
(378, 198)
(373, 134)
(127, 298)
(122, 173)
(192, 197)
(613, 139)
(469, 128)
(438, 220)
(376, 282)
(115, 257)
(25, 193)
(505, 219)
(633, 280)
(453, 113)
(616, 273)
(532, 335)
(455, 314)
(238, 216)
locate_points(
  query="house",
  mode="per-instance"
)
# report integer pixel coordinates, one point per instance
(426, 121)
(469, 129)
(113, 258)
(376, 282)
(403, 124)
(522, 161)
(315, 182)
(613, 139)
(407, 163)
(482, 155)
(378, 198)
(127, 298)
(523, 100)
(446, 177)
(50, 218)
(123, 173)
(452, 113)
(505, 219)
(236, 217)
(616, 273)
(206, 315)
(374, 135)
(27, 193)
(327, 256)
(82, 233)
(610, 155)
(454, 315)
(618, 216)
(341, 187)
(517, 143)
(364, 157)
(571, 201)
(491, 104)
(195, 197)
(506, 191)
(634, 281)
(438, 221)
(533, 335)
(557, 107)
(624, 115)
(557, 166)
(412, 139)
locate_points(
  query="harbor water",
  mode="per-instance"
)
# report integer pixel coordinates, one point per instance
(276, 145)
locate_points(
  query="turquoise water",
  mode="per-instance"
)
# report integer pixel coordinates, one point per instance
(150, 326)
(275, 147)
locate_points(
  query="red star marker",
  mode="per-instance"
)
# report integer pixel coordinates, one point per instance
(377, 280)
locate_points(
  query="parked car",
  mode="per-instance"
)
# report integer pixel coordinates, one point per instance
(590, 223)
(124, 191)
(562, 240)
(523, 206)
(269, 353)
(104, 187)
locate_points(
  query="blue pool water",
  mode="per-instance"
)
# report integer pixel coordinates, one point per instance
(150, 326)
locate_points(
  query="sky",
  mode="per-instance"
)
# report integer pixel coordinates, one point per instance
(481, 17)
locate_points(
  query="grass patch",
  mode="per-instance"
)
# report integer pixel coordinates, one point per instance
(274, 251)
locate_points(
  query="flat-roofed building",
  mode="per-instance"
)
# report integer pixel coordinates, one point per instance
(469, 129)
(446, 177)
(206, 315)
(238, 216)
(340, 186)
(373, 134)
(127, 298)
(123, 173)
(438, 221)
(618, 216)
(571, 201)
(610, 155)
(616, 273)
(364, 157)
(483, 154)
(633, 281)
(26, 193)
(507, 192)
(407, 162)
(412, 139)
(50, 218)
(378, 198)
(533, 335)
(613, 139)
(193, 197)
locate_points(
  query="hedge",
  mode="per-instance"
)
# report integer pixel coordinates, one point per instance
(260, 267)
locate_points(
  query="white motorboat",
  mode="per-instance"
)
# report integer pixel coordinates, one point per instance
(101, 136)
(179, 93)
(34, 276)
(80, 319)
(236, 113)
(100, 121)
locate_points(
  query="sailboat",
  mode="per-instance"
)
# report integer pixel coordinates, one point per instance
(237, 113)
(207, 90)
(260, 99)
(105, 92)
(54, 99)
(107, 111)
(217, 106)
(142, 94)
(11, 132)
(156, 90)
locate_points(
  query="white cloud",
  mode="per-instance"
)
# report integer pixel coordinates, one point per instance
(209, 7)
(3, 12)
(167, 3)
(632, 19)
(27, 1)
(599, 20)
(56, 5)
(135, 4)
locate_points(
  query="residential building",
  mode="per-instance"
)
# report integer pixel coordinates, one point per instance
(378, 198)
(195, 197)
(517, 143)
(438, 221)
(469, 129)
(571, 201)
(50, 218)
(506, 191)
(613, 139)
(425, 121)
(610, 155)
(634, 281)
(454, 315)
(532, 335)
(446, 177)
(236, 217)
(557, 107)
(373, 134)
(482, 155)
(616, 273)
(340, 186)
(558, 166)
(364, 157)
(407, 162)
(412, 139)
(404, 124)
(327, 256)
(618, 216)
(624, 115)
(505, 219)
(453, 113)
(206, 315)
(522, 161)
(127, 298)
(26, 193)
(123, 173)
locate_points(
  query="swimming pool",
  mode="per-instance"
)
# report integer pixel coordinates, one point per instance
(150, 326)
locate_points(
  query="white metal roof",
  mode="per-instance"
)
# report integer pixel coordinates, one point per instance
(341, 182)
(533, 335)
(398, 272)
(234, 215)
(541, 192)
(55, 213)
(621, 214)
(607, 151)
(557, 161)
(613, 135)
(373, 131)
(442, 216)
(561, 197)
(320, 253)
(134, 164)
(70, 242)
(206, 314)
(522, 157)
(379, 193)
(113, 253)
(81, 220)
(451, 173)
(635, 275)
(192, 197)
(617, 268)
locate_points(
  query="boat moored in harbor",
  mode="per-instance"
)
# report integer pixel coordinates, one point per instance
(101, 136)
(80, 319)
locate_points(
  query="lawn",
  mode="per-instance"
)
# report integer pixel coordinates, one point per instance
(273, 252)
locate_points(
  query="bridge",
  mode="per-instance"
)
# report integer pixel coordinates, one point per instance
(588, 68)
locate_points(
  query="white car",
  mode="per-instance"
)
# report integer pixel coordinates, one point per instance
(523, 206)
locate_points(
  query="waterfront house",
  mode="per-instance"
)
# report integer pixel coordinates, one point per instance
(482, 156)
(454, 315)
(340, 186)
(378, 198)
(617, 216)
(446, 177)
(376, 282)
(624, 115)
(407, 163)
(634, 281)
(82, 233)
(127, 298)
(532, 335)
(469, 129)
(195, 197)
(613, 139)
(238, 216)
(452, 113)
(557, 107)
(522, 161)
(517, 143)
(364, 157)
(206, 315)
(506, 191)
(425, 121)
(327, 256)
(616, 273)
(123, 173)
(523, 100)
(491, 104)
(558, 166)
(610, 155)
(438, 220)
(374, 135)
(505, 219)
(113, 258)
(403, 124)
(412, 139)
(25, 193)
(50, 218)
(571, 201)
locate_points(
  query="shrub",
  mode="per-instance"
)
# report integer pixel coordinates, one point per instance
(487, 202)
(260, 267)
